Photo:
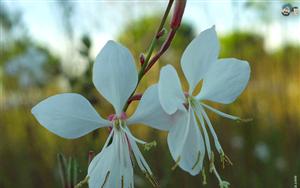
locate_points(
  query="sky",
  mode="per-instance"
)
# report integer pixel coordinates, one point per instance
(104, 20)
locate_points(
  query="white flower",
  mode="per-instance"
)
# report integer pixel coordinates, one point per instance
(223, 82)
(70, 115)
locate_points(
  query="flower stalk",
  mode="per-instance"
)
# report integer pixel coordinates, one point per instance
(147, 62)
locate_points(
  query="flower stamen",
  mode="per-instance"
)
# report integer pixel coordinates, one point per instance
(204, 182)
(149, 145)
(197, 161)
(176, 163)
(212, 169)
(150, 177)
(225, 159)
(106, 178)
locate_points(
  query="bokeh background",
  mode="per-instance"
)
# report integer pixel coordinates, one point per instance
(48, 47)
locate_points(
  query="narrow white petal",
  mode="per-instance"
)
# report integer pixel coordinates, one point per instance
(99, 170)
(216, 140)
(187, 145)
(68, 115)
(112, 167)
(225, 81)
(150, 112)
(221, 113)
(170, 92)
(114, 74)
(200, 54)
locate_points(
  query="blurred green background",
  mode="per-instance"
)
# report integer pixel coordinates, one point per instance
(40, 58)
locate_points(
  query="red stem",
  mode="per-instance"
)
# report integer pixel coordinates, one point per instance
(162, 50)
(135, 97)
(175, 23)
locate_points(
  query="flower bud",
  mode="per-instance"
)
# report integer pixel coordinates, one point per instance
(142, 58)
(91, 156)
(178, 13)
(161, 33)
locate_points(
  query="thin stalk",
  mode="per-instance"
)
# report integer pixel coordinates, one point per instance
(150, 49)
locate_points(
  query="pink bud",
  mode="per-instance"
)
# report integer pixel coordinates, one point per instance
(91, 156)
(142, 58)
(161, 33)
(178, 13)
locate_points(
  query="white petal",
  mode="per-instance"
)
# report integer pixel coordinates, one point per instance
(225, 81)
(150, 112)
(187, 145)
(200, 54)
(99, 171)
(68, 115)
(114, 74)
(170, 92)
(112, 167)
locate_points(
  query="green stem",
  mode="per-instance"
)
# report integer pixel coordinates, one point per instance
(150, 50)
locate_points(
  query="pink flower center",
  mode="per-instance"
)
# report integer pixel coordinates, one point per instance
(113, 117)
(186, 94)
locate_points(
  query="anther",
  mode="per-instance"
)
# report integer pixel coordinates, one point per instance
(176, 163)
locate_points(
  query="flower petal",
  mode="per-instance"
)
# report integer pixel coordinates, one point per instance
(150, 112)
(200, 54)
(68, 115)
(170, 92)
(112, 167)
(99, 169)
(225, 81)
(114, 74)
(186, 144)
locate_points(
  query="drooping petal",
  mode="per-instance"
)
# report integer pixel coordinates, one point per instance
(170, 93)
(150, 112)
(186, 144)
(99, 171)
(200, 54)
(225, 81)
(114, 74)
(112, 167)
(68, 115)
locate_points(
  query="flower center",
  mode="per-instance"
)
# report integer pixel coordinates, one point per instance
(186, 103)
(118, 121)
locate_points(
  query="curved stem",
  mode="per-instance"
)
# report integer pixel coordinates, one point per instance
(175, 23)
(150, 49)
(135, 97)
(162, 50)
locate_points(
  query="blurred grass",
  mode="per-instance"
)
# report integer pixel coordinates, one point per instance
(265, 152)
